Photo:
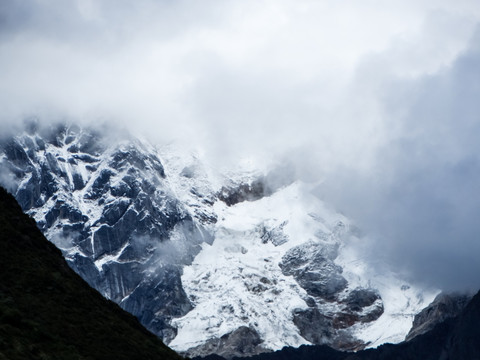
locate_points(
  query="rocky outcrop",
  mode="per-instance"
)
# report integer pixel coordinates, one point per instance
(443, 307)
(254, 189)
(273, 234)
(236, 193)
(314, 326)
(311, 264)
(239, 343)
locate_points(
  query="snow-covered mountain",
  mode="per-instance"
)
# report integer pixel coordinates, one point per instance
(233, 265)
(106, 203)
(284, 268)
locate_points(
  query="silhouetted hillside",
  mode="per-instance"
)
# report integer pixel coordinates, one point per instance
(48, 312)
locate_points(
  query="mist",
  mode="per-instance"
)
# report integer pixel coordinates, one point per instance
(420, 198)
(376, 102)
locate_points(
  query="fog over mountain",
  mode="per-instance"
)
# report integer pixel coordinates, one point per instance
(376, 102)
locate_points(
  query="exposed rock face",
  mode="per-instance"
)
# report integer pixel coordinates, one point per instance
(311, 264)
(242, 342)
(314, 326)
(110, 209)
(360, 306)
(443, 307)
(236, 193)
(463, 342)
(273, 234)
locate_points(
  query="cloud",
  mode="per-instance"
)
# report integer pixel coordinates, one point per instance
(7, 179)
(421, 194)
(375, 99)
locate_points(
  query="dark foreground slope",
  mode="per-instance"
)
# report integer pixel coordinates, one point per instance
(454, 339)
(48, 312)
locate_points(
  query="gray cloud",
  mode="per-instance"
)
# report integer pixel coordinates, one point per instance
(421, 196)
(377, 100)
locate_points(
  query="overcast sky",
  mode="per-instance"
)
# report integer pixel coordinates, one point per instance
(377, 99)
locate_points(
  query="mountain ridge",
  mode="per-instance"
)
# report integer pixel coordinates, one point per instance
(200, 257)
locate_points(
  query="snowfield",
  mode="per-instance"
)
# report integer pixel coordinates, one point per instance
(237, 280)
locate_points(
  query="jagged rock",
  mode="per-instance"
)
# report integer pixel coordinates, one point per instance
(275, 234)
(314, 326)
(443, 307)
(311, 265)
(241, 342)
(361, 298)
(360, 306)
(15, 153)
(114, 211)
(260, 187)
(159, 299)
(237, 193)
(78, 182)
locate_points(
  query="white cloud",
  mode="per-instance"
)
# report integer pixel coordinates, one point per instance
(330, 85)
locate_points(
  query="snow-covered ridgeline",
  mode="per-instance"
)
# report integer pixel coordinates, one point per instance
(237, 281)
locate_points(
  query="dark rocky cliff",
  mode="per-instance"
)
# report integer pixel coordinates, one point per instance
(443, 307)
